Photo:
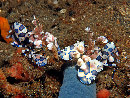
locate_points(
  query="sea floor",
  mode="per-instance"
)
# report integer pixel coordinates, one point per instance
(67, 20)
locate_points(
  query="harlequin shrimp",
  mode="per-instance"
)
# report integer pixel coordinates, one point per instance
(90, 65)
(34, 41)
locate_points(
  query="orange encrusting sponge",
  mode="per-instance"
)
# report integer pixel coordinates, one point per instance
(104, 93)
(4, 27)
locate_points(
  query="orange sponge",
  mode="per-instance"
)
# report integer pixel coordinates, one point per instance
(4, 27)
(104, 93)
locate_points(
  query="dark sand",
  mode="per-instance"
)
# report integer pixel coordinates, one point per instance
(67, 21)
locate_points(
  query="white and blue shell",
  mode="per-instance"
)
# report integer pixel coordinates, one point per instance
(42, 61)
(20, 31)
(89, 76)
(65, 54)
(108, 53)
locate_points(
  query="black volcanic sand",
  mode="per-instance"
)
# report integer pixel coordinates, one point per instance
(67, 20)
